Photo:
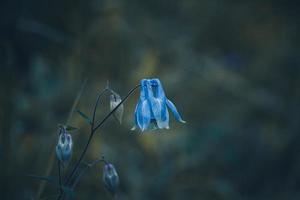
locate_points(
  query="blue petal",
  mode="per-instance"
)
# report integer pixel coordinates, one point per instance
(138, 117)
(143, 115)
(174, 110)
(144, 89)
(164, 122)
(135, 112)
(160, 91)
(160, 112)
(158, 103)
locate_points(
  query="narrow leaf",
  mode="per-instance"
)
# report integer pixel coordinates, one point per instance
(67, 127)
(88, 120)
(71, 128)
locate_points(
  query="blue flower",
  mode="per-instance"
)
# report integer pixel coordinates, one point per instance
(151, 109)
(64, 147)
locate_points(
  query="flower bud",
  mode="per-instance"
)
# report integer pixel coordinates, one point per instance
(110, 178)
(115, 99)
(64, 147)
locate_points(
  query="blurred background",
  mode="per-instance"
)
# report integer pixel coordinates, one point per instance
(231, 68)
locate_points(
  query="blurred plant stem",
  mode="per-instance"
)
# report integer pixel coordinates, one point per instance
(59, 176)
(52, 157)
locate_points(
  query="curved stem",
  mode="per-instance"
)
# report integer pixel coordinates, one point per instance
(89, 140)
(96, 105)
(111, 112)
(79, 161)
(93, 130)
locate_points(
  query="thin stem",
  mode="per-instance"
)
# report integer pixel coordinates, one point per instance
(93, 130)
(88, 165)
(89, 140)
(96, 105)
(59, 177)
(79, 161)
(111, 112)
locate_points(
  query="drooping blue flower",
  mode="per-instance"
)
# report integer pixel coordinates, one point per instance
(64, 147)
(151, 109)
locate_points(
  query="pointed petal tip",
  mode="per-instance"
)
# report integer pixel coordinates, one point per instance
(143, 129)
(175, 112)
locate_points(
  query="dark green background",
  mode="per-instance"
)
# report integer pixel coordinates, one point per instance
(231, 68)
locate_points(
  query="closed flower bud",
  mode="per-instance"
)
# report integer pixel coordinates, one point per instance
(115, 99)
(110, 178)
(64, 147)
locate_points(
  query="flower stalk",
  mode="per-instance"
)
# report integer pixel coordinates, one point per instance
(152, 111)
(93, 129)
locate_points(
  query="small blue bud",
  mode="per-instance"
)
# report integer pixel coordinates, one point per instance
(64, 147)
(110, 178)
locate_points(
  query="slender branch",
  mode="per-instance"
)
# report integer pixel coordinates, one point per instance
(80, 159)
(96, 105)
(111, 112)
(59, 177)
(88, 166)
(89, 140)
(93, 130)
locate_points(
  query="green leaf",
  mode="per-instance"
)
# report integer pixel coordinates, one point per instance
(67, 127)
(88, 120)
(71, 128)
